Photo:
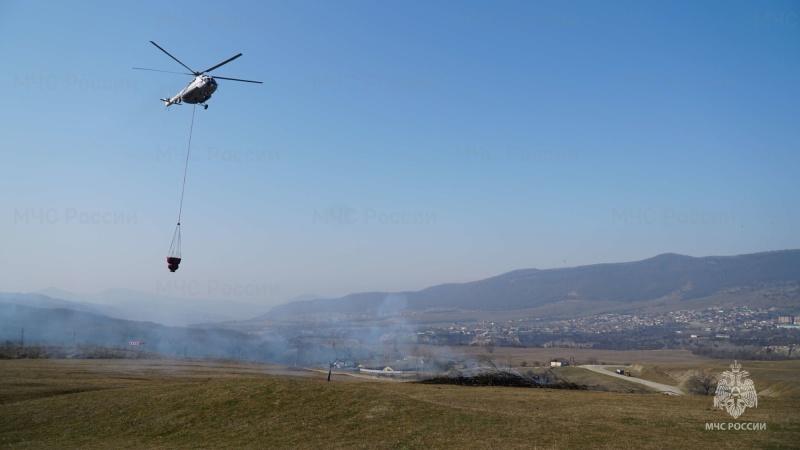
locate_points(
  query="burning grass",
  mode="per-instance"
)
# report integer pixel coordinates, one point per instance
(500, 378)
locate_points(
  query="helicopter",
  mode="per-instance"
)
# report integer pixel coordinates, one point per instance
(200, 88)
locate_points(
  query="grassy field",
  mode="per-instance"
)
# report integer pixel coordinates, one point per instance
(544, 355)
(167, 404)
(771, 378)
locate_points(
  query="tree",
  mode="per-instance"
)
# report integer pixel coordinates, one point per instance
(342, 353)
(702, 382)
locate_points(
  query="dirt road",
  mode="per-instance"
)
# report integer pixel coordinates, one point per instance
(607, 370)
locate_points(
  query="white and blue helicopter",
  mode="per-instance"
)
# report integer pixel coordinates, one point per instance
(200, 89)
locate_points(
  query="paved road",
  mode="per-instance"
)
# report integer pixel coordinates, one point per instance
(663, 388)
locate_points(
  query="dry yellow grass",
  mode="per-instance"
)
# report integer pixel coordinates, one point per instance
(162, 404)
(771, 378)
(544, 355)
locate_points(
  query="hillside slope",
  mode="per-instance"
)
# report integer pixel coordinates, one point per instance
(669, 276)
(69, 404)
(60, 326)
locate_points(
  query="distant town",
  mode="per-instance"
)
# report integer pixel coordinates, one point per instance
(741, 325)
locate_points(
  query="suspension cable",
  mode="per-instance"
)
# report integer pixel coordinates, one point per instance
(186, 167)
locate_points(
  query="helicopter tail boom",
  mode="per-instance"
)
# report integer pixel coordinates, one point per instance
(170, 101)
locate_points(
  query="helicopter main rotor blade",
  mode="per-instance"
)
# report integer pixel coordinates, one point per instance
(237, 79)
(165, 71)
(222, 63)
(176, 59)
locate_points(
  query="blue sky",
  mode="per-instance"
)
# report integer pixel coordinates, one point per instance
(393, 145)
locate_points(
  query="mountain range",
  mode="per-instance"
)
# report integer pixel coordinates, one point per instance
(667, 281)
(65, 326)
(142, 306)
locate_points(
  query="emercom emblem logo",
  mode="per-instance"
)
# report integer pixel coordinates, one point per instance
(734, 392)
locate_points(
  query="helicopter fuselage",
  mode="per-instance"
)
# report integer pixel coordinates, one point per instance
(199, 91)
